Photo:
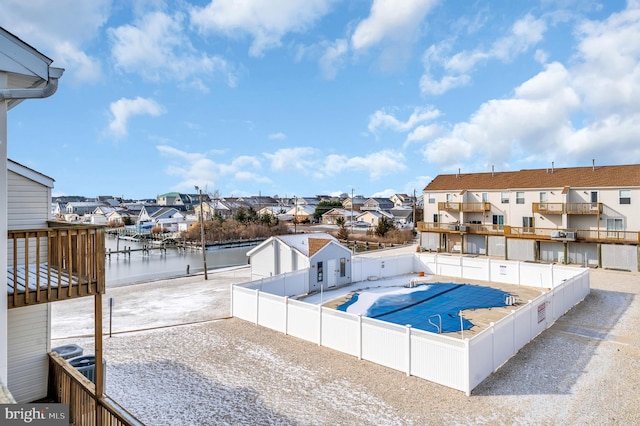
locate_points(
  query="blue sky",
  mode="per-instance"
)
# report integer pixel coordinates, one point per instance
(287, 97)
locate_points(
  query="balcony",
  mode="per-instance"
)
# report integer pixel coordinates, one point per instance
(532, 233)
(567, 208)
(59, 262)
(464, 207)
(465, 228)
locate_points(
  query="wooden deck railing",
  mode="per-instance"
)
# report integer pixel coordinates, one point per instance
(464, 207)
(68, 386)
(587, 235)
(60, 262)
(567, 208)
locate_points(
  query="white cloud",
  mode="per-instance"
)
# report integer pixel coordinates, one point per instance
(61, 30)
(277, 136)
(197, 169)
(301, 158)
(376, 164)
(390, 20)
(266, 22)
(383, 120)
(423, 133)
(157, 48)
(333, 58)
(524, 34)
(123, 109)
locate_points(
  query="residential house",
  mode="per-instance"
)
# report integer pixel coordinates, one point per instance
(62, 252)
(354, 203)
(580, 215)
(328, 261)
(82, 208)
(402, 216)
(402, 200)
(331, 217)
(152, 215)
(377, 204)
(372, 217)
(180, 201)
(302, 213)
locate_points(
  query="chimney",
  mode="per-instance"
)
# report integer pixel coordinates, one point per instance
(552, 167)
(593, 164)
(492, 169)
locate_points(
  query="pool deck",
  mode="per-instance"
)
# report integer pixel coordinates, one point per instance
(480, 318)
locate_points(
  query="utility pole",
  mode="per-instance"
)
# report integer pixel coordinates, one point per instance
(295, 215)
(204, 247)
(351, 210)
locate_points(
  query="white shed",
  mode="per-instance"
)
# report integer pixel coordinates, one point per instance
(328, 261)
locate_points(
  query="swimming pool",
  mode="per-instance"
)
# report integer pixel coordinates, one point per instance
(431, 307)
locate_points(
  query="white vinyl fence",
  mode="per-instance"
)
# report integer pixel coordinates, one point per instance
(457, 363)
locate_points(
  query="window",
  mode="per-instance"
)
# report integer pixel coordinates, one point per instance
(320, 272)
(432, 199)
(436, 218)
(485, 197)
(519, 197)
(343, 266)
(527, 222)
(498, 221)
(543, 197)
(504, 198)
(625, 196)
(594, 196)
(613, 226)
(449, 197)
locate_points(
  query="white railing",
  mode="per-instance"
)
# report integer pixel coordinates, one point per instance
(457, 363)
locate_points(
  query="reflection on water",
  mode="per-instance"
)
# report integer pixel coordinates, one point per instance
(122, 269)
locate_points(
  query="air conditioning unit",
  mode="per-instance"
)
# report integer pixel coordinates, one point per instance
(464, 228)
(570, 235)
(557, 234)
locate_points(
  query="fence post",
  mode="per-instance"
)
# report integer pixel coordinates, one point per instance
(489, 270)
(286, 315)
(460, 260)
(320, 326)
(257, 306)
(408, 355)
(231, 307)
(359, 336)
(467, 366)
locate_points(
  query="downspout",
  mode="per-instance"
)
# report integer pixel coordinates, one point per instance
(36, 92)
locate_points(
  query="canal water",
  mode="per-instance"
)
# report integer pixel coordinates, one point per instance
(123, 269)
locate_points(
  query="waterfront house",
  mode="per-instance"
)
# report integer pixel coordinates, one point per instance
(372, 217)
(328, 261)
(579, 215)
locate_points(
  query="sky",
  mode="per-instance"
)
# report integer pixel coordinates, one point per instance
(286, 97)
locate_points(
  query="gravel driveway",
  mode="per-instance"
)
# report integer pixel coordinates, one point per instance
(584, 370)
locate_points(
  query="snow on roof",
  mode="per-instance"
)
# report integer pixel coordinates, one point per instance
(300, 242)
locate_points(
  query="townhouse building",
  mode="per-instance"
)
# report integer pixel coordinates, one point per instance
(579, 215)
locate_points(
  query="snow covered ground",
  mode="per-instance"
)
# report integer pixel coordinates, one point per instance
(174, 360)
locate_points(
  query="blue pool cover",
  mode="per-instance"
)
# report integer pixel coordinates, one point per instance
(427, 308)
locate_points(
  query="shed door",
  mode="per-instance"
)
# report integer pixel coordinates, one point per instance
(332, 272)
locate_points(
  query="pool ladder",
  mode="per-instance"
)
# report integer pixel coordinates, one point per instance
(439, 327)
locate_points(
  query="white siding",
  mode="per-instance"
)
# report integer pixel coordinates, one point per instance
(29, 341)
(29, 203)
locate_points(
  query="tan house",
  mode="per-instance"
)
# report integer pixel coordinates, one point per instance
(580, 215)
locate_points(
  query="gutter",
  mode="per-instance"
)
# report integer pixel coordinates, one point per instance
(35, 92)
